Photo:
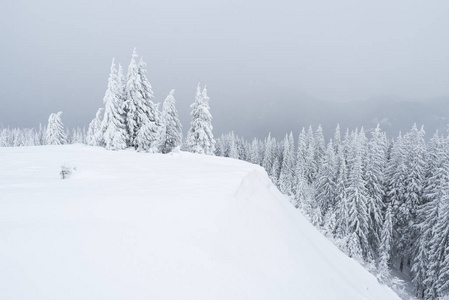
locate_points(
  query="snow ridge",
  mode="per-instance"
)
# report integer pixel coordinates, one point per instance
(151, 226)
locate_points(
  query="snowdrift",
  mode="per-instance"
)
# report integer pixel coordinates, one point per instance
(129, 225)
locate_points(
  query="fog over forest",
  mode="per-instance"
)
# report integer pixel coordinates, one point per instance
(268, 66)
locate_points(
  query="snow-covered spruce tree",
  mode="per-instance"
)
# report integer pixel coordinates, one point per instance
(121, 81)
(304, 200)
(437, 278)
(286, 177)
(228, 146)
(40, 135)
(275, 171)
(254, 155)
(385, 245)
(303, 192)
(302, 147)
(300, 167)
(7, 139)
(357, 199)
(396, 172)
(78, 136)
(320, 147)
(55, 134)
(19, 138)
(300, 162)
(325, 184)
(94, 135)
(233, 148)
(340, 209)
(311, 165)
(242, 148)
(68, 137)
(140, 109)
(222, 145)
(150, 135)
(348, 144)
(172, 136)
(337, 138)
(219, 146)
(427, 213)
(150, 117)
(406, 192)
(133, 94)
(268, 153)
(4, 137)
(113, 123)
(375, 183)
(200, 138)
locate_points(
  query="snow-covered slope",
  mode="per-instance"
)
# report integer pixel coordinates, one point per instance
(133, 225)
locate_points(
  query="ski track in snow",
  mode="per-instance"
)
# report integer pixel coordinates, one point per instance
(130, 225)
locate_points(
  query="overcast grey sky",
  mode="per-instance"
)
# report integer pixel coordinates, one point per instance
(55, 55)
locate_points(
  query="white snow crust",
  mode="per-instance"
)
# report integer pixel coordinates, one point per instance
(130, 225)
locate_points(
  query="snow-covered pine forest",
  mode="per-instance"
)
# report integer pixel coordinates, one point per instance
(383, 201)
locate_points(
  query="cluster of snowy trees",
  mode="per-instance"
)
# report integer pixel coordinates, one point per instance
(385, 203)
(52, 134)
(130, 118)
(19, 137)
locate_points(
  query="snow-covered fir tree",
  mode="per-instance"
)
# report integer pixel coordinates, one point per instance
(113, 124)
(200, 138)
(269, 153)
(357, 199)
(142, 121)
(405, 191)
(149, 116)
(310, 157)
(415, 162)
(233, 150)
(325, 185)
(55, 134)
(385, 244)
(275, 171)
(286, 176)
(172, 135)
(254, 156)
(94, 132)
(320, 147)
(375, 183)
(337, 138)
(150, 137)
(133, 94)
(340, 209)
(79, 135)
(40, 135)
(121, 81)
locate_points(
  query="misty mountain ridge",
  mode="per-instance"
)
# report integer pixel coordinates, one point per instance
(288, 111)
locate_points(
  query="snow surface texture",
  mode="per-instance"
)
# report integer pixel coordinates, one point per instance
(131, 225)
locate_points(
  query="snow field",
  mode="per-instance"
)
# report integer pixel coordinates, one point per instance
(130, 225)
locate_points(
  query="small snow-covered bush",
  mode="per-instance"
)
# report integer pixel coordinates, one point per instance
(66, 171)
